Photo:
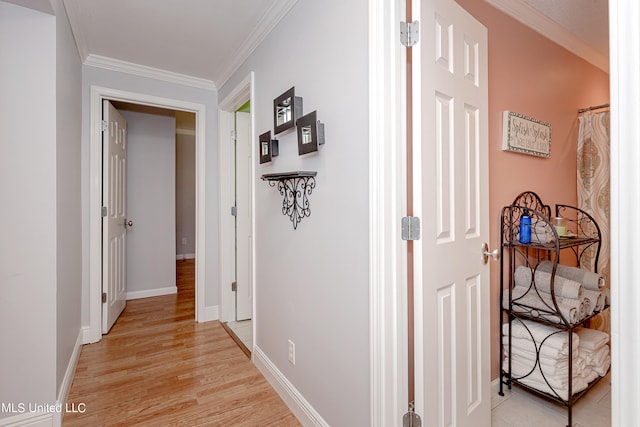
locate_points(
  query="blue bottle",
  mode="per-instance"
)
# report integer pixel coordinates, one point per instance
(525, 227)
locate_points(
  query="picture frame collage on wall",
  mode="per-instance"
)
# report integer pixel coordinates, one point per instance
(288, 113)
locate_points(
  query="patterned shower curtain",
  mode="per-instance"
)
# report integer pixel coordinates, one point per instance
(593, 190)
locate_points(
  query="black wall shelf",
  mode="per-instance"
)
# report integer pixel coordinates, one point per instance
(295, 188)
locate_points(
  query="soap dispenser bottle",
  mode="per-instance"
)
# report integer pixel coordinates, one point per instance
(525, 227)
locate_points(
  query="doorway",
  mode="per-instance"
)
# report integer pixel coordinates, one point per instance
(236, 218)
(152, 207)
(94, 332)
(241, 328)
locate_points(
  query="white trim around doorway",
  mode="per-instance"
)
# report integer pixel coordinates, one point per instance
(387, 253)
(94, 332)
(226, 109)
(624, 41)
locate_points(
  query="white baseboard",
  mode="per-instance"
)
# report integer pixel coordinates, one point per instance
(152, 292)
(180, 257)
(65, 387)
(302, 409)
(209, 313)
(28, 419)
(88, 336)
(53, 418)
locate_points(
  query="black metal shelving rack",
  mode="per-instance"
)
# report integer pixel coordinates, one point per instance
(585, 237)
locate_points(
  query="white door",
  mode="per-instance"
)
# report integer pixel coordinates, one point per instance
(244, 293)
(114, 232)
(451, 195)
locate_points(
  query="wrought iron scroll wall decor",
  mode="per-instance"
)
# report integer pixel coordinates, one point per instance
(295, 189)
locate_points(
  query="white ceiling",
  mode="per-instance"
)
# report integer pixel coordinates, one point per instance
(209, 39)
(587, 19)
(581, 26)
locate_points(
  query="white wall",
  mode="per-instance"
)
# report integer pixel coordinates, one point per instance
(28, 214)
(40, 219)
(185, 193)
(69, 204)
(151, 259)
(312, 284)
(128, 82)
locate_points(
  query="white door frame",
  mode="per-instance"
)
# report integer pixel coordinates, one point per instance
(387, 348)
(226, 115)
(94, 332)
(387, 204)
(624, 42)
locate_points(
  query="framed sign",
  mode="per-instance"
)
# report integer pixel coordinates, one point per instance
(526, 135)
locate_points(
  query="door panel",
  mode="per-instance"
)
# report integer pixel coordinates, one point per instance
(452, 297)
(244, 294)
(114, 231)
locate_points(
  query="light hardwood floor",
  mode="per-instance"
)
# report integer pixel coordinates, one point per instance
(158, 367)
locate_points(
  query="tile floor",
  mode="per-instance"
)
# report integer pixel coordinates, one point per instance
(244, 331)
(519, 408)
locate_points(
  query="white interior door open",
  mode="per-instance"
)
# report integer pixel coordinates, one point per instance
(114, 227)
(452, 347)
(244, 288)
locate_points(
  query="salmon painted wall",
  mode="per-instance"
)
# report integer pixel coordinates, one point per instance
(531, 75)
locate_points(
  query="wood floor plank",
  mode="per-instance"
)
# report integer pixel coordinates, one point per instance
(158, 367)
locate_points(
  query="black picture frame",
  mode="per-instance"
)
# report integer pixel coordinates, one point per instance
(287, 108)
(267, 147)
(310, 133)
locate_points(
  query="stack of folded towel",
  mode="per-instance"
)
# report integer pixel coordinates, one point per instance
(540, 358)
(541, 232)
(593, 349)
(578, 292)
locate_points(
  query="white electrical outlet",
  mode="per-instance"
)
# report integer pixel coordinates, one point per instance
(292, 352)
(184, 241)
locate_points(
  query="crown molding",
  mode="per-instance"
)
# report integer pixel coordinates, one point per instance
(148, 72)
(550, 29)
(267, 23)
(73, 15)
(43, 6)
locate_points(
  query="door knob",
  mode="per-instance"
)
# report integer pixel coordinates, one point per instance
(128, 223)
(495, 254)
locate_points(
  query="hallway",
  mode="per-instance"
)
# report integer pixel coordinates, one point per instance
(158, 367)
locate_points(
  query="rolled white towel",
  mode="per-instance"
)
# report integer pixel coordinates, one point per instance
(586, 278)
(596, 301)
(535, 307)
(573, 310)
(562, 287)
